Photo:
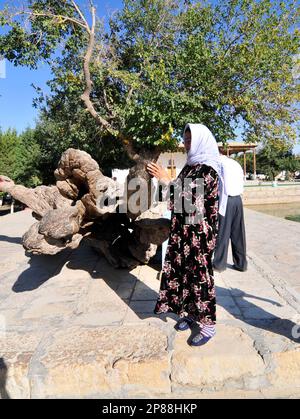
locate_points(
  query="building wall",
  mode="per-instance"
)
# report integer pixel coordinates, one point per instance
(178, 157)
(121, 175)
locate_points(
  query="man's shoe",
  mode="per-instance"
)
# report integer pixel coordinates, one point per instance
(239, 269)
(215, 268)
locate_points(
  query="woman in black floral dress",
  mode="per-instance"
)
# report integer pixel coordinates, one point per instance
(187, 284)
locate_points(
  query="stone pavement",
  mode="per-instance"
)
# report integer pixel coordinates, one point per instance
(71, 326)
(276, 241)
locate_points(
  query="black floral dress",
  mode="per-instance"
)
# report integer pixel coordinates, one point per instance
(187, 284)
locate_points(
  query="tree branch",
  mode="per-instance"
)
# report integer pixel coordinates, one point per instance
(86, 96)
(51, 15)
(130, 93)
(81, 15)
(252, 83)
(131, 90)
(231, 43)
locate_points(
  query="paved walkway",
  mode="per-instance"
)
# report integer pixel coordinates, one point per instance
(276, 242)
(71, 326)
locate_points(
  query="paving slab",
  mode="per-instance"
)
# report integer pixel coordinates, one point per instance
(72, 326)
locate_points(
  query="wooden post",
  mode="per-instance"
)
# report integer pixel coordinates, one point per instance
(245, 167)
(254, 163)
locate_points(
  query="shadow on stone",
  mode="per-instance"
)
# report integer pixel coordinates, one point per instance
(3, 376)
(41, 269)
(232, 267)
(257, 316)
(8, 239)
(262, 319)
(141, 298)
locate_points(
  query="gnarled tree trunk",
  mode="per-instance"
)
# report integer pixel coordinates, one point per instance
(74, 210)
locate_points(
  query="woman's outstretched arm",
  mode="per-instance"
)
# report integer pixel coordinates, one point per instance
(159, 173)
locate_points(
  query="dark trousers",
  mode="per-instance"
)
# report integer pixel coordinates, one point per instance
(231, 227)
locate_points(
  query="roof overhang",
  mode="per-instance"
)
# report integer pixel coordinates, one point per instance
(235, 147)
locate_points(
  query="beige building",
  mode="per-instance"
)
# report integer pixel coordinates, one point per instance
(175, 161)
(172, 161)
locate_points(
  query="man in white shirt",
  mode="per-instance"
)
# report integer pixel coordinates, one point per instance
(232, 225)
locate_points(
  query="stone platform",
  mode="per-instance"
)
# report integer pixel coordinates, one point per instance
(263, 194)
(71, 326)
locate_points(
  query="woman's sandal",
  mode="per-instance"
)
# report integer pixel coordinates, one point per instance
(183, 324)
(199, 340)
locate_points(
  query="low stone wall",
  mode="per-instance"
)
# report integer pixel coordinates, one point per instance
(145, 361)
(258, 195)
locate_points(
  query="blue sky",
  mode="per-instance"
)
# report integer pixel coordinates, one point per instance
(16, 92)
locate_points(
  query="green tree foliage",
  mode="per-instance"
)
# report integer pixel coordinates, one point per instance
(20, 157)
(162, 63)
(8, 145)
(272, 161)
(65, 128)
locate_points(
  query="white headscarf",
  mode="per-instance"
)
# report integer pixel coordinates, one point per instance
(204, 150)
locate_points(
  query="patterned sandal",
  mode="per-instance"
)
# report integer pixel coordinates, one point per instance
(183, 324)
(203, 336)
(199, 340)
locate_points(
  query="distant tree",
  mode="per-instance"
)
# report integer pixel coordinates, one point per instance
(19, 157)
(271, 162)
(61, 129)
(291, 164)
(27, 168)
(8, 146)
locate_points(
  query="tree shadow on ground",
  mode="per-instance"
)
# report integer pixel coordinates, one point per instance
(16, 240)
(122, 282)
(3, 377)
(262, 318)
(257, 316)
(41, 269)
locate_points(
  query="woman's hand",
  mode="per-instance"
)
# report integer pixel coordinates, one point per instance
(159, 172)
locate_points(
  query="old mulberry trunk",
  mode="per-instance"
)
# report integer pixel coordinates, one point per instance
(86, 205)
